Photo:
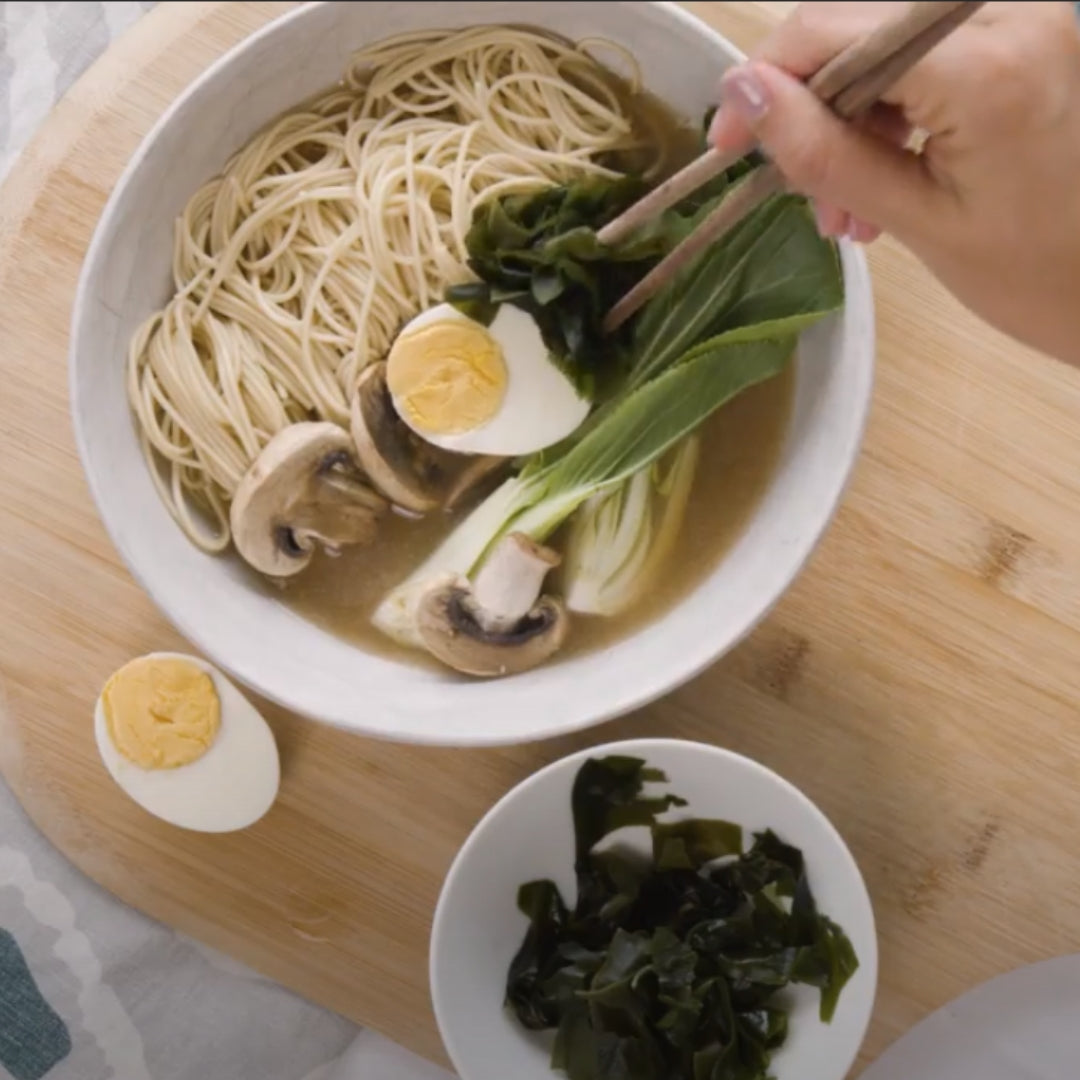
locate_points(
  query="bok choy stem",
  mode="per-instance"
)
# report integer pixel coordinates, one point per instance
(642, 427)
(618, 540)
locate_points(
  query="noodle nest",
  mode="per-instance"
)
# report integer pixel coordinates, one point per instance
(337, 223)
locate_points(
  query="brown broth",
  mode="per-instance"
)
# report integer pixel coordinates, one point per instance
(741, 445)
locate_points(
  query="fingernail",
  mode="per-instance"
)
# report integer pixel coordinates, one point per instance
(747, 94)
(830, 220)
(863, 232)
(823, 220)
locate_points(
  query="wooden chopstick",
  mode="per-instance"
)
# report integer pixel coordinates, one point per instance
(863, 90)
(850, 83)
(858, 60)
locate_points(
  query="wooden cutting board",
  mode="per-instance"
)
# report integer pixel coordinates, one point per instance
(920, 682)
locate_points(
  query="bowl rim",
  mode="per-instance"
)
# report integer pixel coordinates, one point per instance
(640, 747)
(688, 665)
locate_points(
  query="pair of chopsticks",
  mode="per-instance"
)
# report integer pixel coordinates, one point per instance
(850, 84)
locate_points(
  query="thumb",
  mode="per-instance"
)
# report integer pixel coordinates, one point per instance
(822, 156)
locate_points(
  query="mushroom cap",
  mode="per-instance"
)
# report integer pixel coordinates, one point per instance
(304, 488)
(403, 467)
(452, 634)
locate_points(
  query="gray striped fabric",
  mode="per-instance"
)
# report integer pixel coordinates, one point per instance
(44, 48)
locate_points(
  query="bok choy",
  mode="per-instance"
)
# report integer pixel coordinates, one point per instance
(618, 540)
(729, 320)
(641, 427)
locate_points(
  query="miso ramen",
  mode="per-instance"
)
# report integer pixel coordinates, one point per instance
(383, 379)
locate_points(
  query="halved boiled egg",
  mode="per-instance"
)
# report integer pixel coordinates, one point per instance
(183, 742)
(477, 389)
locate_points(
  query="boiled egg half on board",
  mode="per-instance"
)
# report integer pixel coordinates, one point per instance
(183, 742)
(476, 389)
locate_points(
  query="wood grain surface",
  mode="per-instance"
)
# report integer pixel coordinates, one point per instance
(920, 682)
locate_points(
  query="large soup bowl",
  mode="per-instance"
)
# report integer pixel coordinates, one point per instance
(256, 637)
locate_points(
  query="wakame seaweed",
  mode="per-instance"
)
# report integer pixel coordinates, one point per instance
(540, 252)
(669, 967)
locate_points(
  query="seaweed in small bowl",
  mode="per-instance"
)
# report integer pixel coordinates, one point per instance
(654, 937)
(670, 965)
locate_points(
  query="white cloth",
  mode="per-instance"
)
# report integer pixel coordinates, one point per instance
(89, 989)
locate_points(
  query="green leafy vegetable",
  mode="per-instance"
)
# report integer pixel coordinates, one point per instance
(772, 267)
(730, 320)
(669, 967)
(634, 433)
(540, 252)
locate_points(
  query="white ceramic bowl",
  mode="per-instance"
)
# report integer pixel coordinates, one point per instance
(529, 834)
(253, 636)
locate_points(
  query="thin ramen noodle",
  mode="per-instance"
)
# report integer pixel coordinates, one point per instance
(337, 223)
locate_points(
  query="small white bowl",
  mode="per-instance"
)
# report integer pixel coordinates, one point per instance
(529, 834)
(249, 632)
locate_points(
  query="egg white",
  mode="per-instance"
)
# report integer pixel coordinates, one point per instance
(230, 787)
(540, 406)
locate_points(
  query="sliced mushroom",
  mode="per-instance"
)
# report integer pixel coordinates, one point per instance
(409, 472)
(499, 624)
(477, 478)
(304, 489)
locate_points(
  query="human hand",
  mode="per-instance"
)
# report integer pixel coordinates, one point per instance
(991, 204)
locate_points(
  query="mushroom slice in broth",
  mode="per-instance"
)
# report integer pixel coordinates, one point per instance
(305, 489)
(411, 473)
(479, 478)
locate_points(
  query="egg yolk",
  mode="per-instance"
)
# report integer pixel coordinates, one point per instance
(161, 713)
(447, 377)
